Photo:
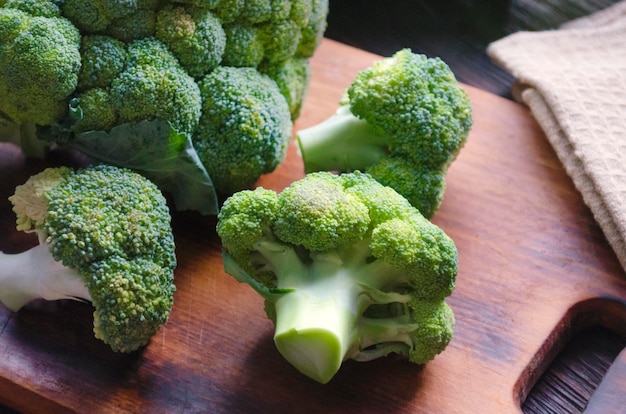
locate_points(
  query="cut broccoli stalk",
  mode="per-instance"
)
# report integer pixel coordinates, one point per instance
(320, 304)
(35, 274)
(342, 142)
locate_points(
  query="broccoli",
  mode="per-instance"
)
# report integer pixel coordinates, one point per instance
(120, 81)
(104, 236)
(39, 63)
(403, 120)
(348, 268)
(244, 129)
(195, 36)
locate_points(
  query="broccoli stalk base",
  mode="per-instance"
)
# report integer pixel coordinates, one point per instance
(34, 274)
(319, 306)
(342, 142)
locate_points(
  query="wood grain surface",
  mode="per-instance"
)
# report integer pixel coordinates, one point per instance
(534, 269)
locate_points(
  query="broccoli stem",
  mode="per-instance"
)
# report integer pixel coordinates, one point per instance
(34, 274)
(342, 142)
(383, 336)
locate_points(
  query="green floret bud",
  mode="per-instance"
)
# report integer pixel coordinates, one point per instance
(432, 119)
(194, 36)
(152, 88)
(43, 8)
(423, 187)
(96, 111)
(313, 31)
(103, 59)
(280, 39)
(347, 267)
(95, 16)
(91, 227)
(138, 25)
(319, 215)
(244, 46)
(244, 129)
(293, 78)
(39, 65)
(132, 298)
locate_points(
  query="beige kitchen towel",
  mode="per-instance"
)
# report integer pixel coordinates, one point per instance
(574, 81)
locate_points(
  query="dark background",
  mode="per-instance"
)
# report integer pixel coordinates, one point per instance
(458, 31)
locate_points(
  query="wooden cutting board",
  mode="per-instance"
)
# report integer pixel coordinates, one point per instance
(534, 268)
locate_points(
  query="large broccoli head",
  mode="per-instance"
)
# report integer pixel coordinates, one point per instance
(105, 236)
(348, 269)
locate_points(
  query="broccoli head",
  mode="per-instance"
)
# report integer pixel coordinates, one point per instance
(348, 268)
(244, 129)
(120, 82)
(409, 107)
(105, 237)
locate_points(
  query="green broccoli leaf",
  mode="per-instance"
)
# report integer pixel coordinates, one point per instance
(156, 150)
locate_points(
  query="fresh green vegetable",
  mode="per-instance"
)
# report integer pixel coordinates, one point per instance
(90, 73)
(104, 236)
(244, 129)
(348, 269)
(403, 120)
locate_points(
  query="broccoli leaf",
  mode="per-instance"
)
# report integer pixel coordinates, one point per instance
(154, 149)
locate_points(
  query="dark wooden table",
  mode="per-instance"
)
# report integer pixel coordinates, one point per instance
(459, 31)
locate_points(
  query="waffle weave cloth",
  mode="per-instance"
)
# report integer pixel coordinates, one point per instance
(573, 79)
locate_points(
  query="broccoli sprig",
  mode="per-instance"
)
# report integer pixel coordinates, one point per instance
(105, 237)
(244, 129)
(347, 267)
(403, 120)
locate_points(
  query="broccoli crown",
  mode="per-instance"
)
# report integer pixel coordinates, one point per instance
(195, 36)
(141, 80)
(39, 65)
(103, 59)
(244, 128)
(403, 120)
(416, 102)
(113, 227)
(338, 254)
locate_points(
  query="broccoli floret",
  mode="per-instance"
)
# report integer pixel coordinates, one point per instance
(43, 8)
(96, 111)
(347, 267)
(103, 58)
(244, 46)
(313, 31)
(244, 129)
(105, 237)
(94, 16)
(154, 86)
(292, 77)
(39, 65)
(407, 106)
(195, 36)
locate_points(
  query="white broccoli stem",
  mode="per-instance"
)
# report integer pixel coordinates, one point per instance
(342, 142)
(34, 274)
